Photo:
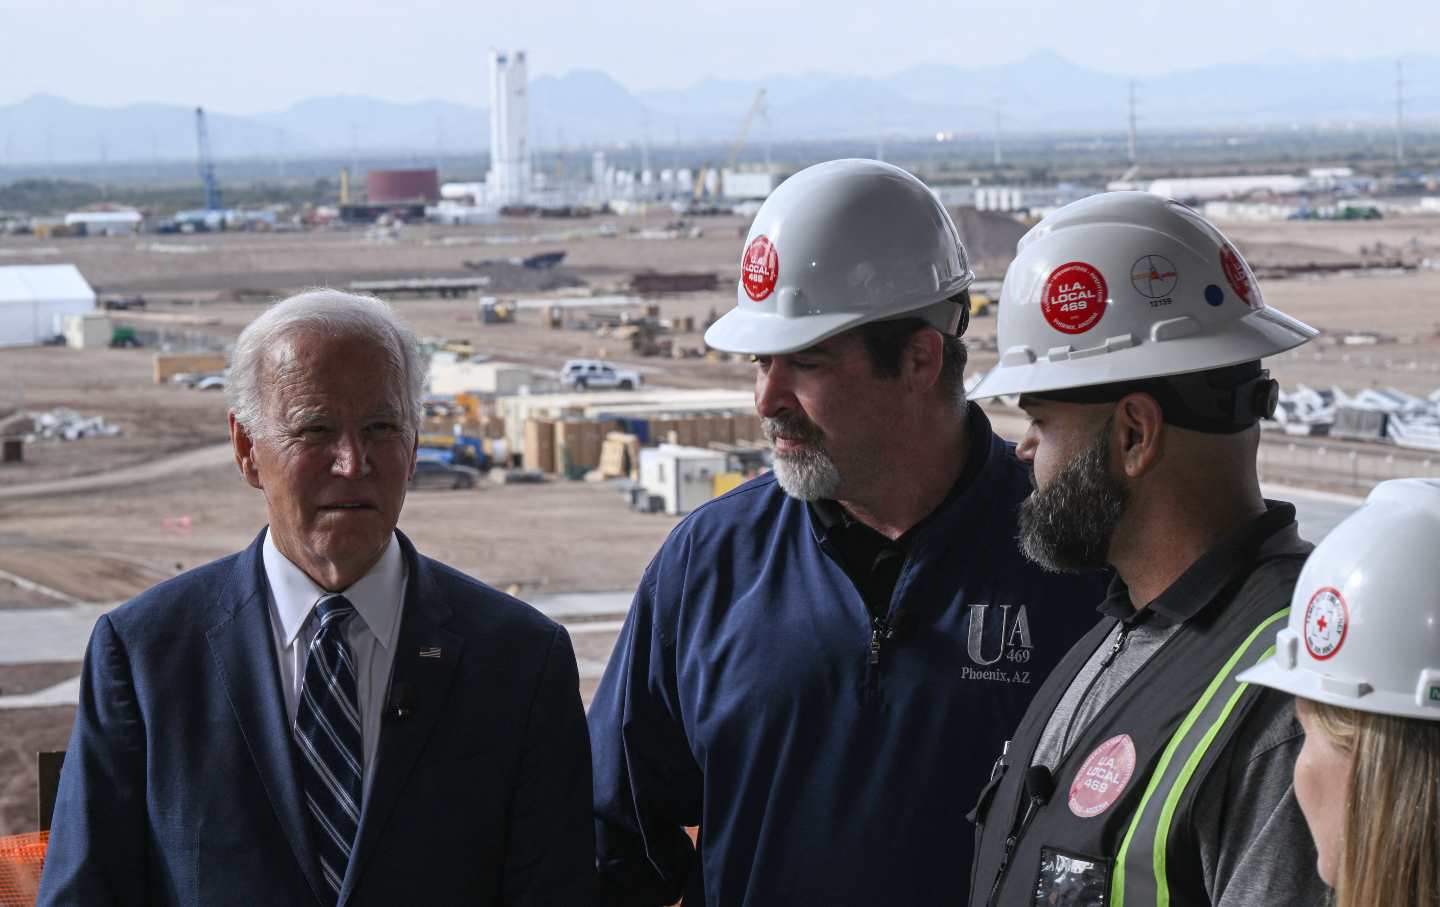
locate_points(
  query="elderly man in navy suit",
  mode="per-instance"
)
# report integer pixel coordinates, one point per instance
(328, 717)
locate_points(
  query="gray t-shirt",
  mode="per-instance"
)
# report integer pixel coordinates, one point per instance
(1096, 684)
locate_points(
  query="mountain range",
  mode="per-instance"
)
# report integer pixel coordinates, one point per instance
(1044, 93)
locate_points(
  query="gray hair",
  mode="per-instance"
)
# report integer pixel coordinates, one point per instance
(327, 312)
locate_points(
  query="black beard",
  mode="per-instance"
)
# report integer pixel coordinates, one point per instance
(1068, 525)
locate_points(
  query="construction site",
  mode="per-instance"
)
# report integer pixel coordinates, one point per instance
(99, 512)
(574, 413)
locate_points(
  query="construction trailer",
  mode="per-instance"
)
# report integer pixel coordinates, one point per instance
(682, 477)
(490, 378)
(89, 329)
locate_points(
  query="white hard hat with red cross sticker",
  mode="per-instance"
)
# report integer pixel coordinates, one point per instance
(1364, 628)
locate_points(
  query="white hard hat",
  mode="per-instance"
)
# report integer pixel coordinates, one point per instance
(837, 245)
(1364, 630)
(1124, 286)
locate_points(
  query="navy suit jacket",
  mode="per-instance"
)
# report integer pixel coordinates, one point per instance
(180, 785)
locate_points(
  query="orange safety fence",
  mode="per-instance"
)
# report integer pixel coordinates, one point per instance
(21, 859)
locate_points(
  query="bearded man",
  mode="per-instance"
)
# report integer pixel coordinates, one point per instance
(1142, 774)
(817, 667)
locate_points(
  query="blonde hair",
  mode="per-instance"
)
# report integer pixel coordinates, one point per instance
(1391, 851)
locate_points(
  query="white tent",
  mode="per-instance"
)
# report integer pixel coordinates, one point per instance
(35, 298)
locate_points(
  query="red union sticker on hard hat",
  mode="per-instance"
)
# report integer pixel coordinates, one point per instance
(1074, 298)
(759, 267)
(1103, 776)
(1237, 275)
(1326, 619)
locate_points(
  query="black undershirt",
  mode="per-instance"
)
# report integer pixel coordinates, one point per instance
(872, 561)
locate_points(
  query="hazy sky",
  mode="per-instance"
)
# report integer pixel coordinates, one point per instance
(250, 56)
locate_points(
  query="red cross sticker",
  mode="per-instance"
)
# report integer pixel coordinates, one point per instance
(1325, 623)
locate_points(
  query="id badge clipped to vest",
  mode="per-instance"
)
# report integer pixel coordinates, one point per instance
(1070, 880)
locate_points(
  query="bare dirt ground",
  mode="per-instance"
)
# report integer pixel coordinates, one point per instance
(13, 596)
(204, 264)
(106, 545)
(27, 732)
(556, 537)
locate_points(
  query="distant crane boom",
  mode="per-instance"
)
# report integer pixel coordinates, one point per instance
(756, 107)
(207, 166)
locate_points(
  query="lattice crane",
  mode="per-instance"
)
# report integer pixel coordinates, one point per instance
(207, 166)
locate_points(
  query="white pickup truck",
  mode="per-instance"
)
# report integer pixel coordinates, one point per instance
(587, 373)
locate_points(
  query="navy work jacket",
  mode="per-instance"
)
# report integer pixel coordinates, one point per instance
(747, 695)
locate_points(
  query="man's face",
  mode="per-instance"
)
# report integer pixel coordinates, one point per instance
(1068, 522)
(334, 454)
(824, 411)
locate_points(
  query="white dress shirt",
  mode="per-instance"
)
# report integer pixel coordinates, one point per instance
(371, 634)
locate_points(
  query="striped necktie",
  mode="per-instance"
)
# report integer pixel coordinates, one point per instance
(327, 731)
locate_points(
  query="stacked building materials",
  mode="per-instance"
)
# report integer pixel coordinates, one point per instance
(538, 447)
(577, 445)
(619, 456)
(168, 365)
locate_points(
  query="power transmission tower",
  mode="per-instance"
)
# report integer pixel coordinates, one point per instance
(999, 117)
(1134, 156)
(1399, 112)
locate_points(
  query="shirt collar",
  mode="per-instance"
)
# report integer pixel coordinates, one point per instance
(1212, 574)
(377, 596)
(829, 516)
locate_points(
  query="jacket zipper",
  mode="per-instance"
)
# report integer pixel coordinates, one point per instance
(880, 630)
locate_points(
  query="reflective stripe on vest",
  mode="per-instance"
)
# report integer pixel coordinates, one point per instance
(1139, 876)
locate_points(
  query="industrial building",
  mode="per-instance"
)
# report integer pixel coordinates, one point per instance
(1034, 200)
(1207, 188)
(390, 187)
(34, 300)
(406, 193)
(105, 223)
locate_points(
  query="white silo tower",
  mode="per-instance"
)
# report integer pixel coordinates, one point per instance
(509, 178)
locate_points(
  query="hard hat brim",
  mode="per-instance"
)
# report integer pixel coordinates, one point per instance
(753, 333)
(1264, 332)
(1308, 684)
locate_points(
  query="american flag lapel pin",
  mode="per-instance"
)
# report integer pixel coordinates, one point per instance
(430, 652)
